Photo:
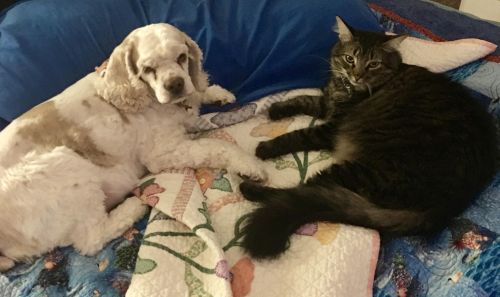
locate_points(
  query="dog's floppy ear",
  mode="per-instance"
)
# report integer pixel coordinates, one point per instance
(123, 88)
(198, 76)
(122, 63)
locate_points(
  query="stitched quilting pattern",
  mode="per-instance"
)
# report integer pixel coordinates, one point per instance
(198, 254)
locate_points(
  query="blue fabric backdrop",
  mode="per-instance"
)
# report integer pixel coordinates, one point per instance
(252, 47)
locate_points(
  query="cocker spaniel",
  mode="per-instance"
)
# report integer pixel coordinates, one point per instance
(65, 163)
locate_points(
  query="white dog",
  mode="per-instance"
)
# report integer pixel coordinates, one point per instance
(67, 161)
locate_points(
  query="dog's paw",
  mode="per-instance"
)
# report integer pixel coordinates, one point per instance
(255, 174)
(252, 169)
(254, 178)
(135, 208)
(6, 263)
(219, 95)
(155, 167)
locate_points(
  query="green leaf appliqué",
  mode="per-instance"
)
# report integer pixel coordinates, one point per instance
(222, 184)
(144, 265)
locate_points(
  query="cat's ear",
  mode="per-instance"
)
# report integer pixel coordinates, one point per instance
(394, 41)
(342, 29)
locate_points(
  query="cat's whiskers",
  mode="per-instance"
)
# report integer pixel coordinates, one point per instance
(337, 71)
(369, 88)
(326, 60)
(321, 58)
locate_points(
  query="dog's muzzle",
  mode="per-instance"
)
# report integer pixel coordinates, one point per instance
(175, 86)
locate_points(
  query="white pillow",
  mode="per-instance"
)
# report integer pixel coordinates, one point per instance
(441, 56)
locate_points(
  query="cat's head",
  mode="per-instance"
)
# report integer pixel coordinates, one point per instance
(366, 59)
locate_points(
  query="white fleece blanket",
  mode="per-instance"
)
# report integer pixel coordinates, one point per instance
(190, 247)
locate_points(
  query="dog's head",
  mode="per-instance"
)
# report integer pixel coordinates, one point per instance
(155, 62)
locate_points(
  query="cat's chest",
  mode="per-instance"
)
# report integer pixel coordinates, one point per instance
(337, 89)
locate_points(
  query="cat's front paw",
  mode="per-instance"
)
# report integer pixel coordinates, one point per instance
(219, 96)
(266, 150)
(278, 111)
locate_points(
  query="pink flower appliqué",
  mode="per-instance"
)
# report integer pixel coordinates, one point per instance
(147, 193)
(307, 229)
(205, 177)
(222, 270)
(325, 233)
(130, 233)
(471, 240)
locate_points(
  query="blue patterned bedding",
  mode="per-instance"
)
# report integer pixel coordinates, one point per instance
(64, 272)
(464, 259)
(461, 261)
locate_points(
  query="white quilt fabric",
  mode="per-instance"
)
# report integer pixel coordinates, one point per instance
(441, 56)
(190, 247)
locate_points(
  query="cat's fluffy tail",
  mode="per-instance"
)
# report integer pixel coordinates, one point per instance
(283, 211)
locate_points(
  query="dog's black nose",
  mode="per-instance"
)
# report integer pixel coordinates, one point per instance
(175, 85)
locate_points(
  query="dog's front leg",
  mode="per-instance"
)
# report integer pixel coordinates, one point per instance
(212, 153)
(216, 94)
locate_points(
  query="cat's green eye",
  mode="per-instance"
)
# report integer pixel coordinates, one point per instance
(373, 64)
(349, 59)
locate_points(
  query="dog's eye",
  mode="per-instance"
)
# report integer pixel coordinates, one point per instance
(148, 70)
(181, 59)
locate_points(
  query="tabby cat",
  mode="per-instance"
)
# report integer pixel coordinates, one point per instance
(412, 149)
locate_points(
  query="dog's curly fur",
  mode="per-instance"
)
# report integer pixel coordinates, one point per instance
(68, 161)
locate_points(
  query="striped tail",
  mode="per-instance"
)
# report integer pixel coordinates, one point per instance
(283, 211)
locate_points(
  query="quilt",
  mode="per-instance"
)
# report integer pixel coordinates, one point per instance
(188, 245)
(191, 243)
